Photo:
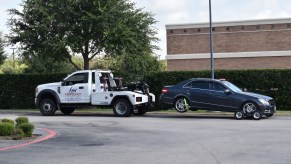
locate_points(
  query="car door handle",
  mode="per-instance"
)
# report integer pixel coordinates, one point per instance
(81, 87)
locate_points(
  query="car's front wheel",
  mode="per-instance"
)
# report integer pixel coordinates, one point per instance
(181, 105)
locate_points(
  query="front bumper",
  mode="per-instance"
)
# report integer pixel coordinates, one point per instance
(268, 109)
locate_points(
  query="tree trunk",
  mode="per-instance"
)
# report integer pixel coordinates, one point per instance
(86, 62)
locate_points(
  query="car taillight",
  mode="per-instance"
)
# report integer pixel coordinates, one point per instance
(165, 91)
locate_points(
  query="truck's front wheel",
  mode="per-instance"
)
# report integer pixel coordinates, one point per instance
(47, 107)
(122, 108)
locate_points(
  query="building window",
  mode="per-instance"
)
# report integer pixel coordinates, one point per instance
(198, 30)
(185, 30)
(171, 31)
(213, 28)
(227, 28)
(288, 25)
(273, 26)
(242, 27)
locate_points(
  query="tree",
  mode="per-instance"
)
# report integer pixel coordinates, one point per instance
(2, 52)
(64, 28)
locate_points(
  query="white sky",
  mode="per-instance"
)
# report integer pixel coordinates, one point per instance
(189, 11)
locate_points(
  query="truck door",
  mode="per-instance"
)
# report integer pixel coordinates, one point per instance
(76, 89)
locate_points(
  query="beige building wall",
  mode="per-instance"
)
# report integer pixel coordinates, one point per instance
(237, 45)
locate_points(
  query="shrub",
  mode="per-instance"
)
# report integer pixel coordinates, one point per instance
(18, 134)
(6, 120)
(27, 129)
(21, 120)
(6, 129)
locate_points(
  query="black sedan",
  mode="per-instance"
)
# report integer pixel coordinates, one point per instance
(217, 95)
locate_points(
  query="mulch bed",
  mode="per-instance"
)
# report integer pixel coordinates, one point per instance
(24, 138)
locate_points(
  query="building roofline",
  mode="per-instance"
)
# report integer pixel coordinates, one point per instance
(230, 23)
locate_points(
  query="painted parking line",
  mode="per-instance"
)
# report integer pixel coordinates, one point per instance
(50, 135)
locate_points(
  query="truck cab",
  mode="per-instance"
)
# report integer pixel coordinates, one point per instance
(93, 88)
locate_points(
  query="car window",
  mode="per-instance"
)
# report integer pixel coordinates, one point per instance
(189, 85)
(200, 84)
(77, 78)
(216, 86)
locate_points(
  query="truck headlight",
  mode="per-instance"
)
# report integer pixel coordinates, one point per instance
(265, 102)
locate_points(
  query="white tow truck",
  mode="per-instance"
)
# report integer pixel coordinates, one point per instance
(93, 88)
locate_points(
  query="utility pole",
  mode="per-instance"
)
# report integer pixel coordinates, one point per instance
(211, 41)
(13, 58)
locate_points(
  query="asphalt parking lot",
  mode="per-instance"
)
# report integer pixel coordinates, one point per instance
(156, 138)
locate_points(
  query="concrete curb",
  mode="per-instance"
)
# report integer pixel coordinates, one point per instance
(50, 135)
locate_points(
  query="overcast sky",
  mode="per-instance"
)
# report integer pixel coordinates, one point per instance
(190, 11)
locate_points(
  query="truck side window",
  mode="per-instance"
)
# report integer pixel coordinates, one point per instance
(77, 79)
(93, 77)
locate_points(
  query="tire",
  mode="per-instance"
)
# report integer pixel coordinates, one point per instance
(122, 108)
(67, 110)
(47, 107)
(180, 105)
(249, 108)
(257, 115)
(239, 115)
(141, 111)
(269, 115)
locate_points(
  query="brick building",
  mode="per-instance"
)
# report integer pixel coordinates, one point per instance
(255, 44)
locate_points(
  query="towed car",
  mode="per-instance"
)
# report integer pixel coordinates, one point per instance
(217, 95)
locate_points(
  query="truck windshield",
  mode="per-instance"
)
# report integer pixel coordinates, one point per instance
(231, 86)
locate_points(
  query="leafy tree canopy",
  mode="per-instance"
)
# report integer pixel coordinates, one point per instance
(2, 52)
(63, 28)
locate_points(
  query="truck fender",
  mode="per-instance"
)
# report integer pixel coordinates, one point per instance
(120, 97)
(47, 93)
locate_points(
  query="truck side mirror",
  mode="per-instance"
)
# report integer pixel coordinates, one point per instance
(63, 83)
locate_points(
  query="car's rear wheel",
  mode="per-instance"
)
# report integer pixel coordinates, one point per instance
(181, 105)
(122, 108)
(239, 115)
(67, 110)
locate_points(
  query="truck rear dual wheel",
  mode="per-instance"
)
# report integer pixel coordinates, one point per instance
(122, 108)
(47, 107)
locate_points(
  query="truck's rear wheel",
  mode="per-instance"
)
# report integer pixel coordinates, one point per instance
(122, 108)
(47, 107)
(67, 110)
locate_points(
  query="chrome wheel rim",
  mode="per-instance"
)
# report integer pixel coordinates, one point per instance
(238, 115)
(121, 108)
(249, 108)
(47, 107)
(180, 105)
(257, 115)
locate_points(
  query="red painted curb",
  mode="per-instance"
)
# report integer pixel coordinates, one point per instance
(50, 135)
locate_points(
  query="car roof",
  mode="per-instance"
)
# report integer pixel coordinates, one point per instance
(207, 79)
